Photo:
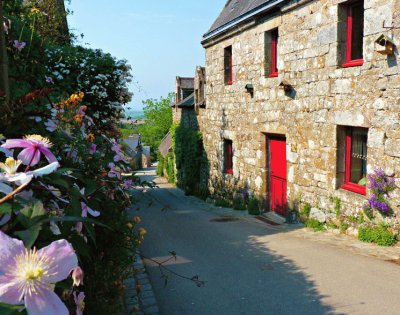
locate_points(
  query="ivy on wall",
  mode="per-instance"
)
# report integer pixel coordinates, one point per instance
(189, 155)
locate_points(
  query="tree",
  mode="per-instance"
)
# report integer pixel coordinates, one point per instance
(158, 116)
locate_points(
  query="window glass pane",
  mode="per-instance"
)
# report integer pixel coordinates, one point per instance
(357, 13)
(358, 163)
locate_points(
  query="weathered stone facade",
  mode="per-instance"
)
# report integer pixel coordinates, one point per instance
(325, 96)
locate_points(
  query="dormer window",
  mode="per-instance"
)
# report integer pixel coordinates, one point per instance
(228, 75)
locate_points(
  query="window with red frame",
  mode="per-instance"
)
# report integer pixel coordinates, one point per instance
(228, 157)
(228, 75)
(271, 53)
(355, 165)
(354, 34)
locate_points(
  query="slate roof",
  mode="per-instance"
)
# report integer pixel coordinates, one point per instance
(187, 83)
(133, 141)
(235, 9)
(187, 102)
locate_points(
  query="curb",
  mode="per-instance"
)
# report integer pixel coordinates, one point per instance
(139, 294)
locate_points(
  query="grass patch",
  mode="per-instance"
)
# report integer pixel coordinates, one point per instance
(315, 225)
(379, 235)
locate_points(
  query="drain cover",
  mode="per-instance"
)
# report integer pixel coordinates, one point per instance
(224, 219)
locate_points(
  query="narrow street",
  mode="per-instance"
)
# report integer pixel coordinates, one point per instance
(251, 267)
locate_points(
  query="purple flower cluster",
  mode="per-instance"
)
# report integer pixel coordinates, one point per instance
(376, 204)
(381, 185)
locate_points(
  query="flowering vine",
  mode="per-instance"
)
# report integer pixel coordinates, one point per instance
(381, 186)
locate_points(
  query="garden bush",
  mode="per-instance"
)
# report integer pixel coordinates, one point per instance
(380, 235)
(315, 225)
(253, 207)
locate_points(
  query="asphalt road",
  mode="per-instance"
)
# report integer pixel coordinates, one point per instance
(250, 267)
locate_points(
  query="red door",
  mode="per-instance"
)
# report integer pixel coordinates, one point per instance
(277, 180)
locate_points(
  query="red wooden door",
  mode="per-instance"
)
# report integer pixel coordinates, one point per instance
(277, 180)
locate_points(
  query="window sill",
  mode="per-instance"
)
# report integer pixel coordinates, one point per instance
(273, 75)
(228, 172)
(362, 190)
(353, 63)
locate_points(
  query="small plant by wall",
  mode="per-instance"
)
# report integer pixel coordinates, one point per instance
(253, 206)
(380, 235)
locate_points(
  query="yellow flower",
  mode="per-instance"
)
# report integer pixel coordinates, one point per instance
(10, 166)
(35, 10)
(90, 137)
(129, 225)
(136, 219)
(142, 231)
(78, 118)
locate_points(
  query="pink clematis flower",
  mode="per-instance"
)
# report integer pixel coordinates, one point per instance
(34, 146)
(86, 210)
(28, 276)
(93, 148)
(113, 171)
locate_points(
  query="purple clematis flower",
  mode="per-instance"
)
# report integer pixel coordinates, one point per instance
(93, 148)
(28, 276)
(34, 146)
(19, 45)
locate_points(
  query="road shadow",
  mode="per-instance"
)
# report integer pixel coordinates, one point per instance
(243, 276)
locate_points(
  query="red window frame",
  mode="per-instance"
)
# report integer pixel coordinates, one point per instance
(348, 185)
(228, 65)
(349, 39)
(274, 53)
(228, 157)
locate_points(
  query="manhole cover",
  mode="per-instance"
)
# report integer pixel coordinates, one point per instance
(224, 219)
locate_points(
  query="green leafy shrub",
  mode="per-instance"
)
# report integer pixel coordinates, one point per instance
(379, 235)
(315, 225)
(343, 226)
(239, 203)
(222, 203)
(160, 166)
(253, 207)
(306, 210)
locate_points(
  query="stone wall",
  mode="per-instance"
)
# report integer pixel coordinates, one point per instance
(325, 96)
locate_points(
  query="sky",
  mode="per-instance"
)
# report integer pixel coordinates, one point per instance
(159, 38)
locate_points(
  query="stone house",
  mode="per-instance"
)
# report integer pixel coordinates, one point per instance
(303, 100)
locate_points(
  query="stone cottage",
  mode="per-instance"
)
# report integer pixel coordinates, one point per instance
(303, 100)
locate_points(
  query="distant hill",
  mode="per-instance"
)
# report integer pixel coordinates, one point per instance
(133, 114)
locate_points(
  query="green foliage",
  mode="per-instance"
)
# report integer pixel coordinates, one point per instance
(305, 211)
(332, 225)
(125, 133)
(239, 203)
(158, 116)
(160, 165)
(343, 226)
(315, 225)
(380, 235)
(223, 203)
(187, 146)
(253, 207)
(170, 167)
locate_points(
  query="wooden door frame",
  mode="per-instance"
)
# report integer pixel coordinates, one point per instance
(268, 137)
